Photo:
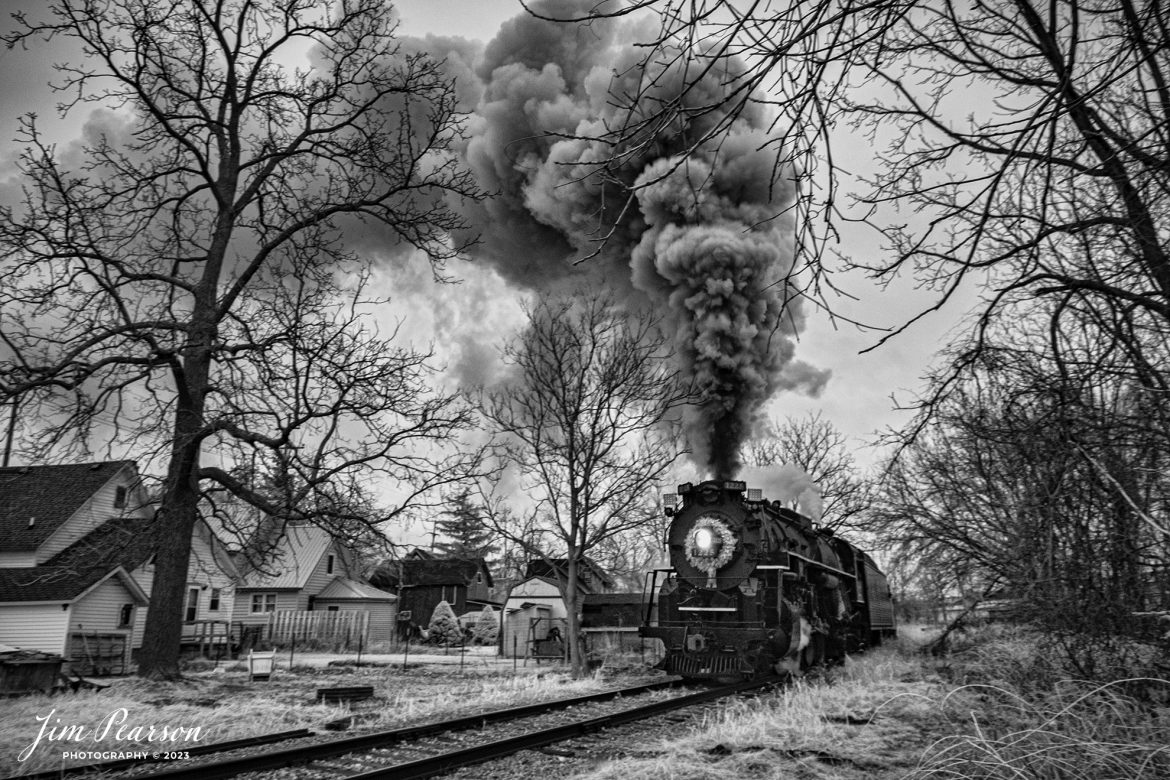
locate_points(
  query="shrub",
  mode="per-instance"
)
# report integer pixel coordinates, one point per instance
(487, 627)
(444, 627)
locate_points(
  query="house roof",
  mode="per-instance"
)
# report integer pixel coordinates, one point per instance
(558, 568)
(36, 500)
(59, 583)
(296, 556)
(121, 541)
(586, 595)
(443, 571)
(342, 588)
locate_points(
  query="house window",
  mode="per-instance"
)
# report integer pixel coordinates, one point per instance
(192, 604)
(213, 602)
(479, 577)
(332, 609)
(119, 497)
(329, 565)
(263, 602)
(126, 616)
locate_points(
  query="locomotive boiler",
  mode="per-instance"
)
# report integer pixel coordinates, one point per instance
(755, 589)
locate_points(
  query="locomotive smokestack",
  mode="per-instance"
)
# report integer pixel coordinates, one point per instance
(708, 239)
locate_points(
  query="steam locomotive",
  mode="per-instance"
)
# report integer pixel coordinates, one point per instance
(754, 589)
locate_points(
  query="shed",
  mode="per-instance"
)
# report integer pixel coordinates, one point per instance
(343, 593)
(530, 599)
(517, 627)
(28, 671)
(85, 616)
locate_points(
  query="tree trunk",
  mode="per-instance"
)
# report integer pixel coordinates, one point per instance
(573, 620)
(173, 527)
(175, 522)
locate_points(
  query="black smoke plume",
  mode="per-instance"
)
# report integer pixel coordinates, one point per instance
(708, 237)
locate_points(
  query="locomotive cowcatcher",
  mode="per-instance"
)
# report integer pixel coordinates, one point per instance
(755, 589)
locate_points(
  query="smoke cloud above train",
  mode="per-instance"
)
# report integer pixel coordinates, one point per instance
(703, 231)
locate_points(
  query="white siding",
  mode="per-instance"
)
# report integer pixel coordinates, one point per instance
(34, 626)
(98, 509)
(100, 609)
(383, 615)
(547, 602)
(242, 611)
(321, 576)
(144, 576)
(516, 629)
(15, 560)
(202, 571)
(98, 612)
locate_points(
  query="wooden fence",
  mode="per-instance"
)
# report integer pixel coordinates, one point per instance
(328, 627)
(92, 652)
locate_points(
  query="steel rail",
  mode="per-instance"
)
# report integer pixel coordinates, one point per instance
(198, 750)
(447, 762)
(306, 754)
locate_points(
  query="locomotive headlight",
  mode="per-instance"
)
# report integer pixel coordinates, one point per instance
(706, 543)
(710, 545)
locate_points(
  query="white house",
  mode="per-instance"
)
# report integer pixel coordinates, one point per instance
(310, 571)
(303, 563)
(76, 566)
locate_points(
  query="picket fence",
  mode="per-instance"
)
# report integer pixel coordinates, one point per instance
(343, 626)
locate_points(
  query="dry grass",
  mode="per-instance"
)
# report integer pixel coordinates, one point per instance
(870, 719)
(1076, 732)
(223, 705)
(897, 714)
(1035, 721)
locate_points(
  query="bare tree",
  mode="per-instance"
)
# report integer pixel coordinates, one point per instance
(181, 282)
(1047, 484)
(587, 420)
(816, 446)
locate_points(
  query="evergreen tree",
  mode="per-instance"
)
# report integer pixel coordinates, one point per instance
(444, 628)
(487, 627)
(468, 536)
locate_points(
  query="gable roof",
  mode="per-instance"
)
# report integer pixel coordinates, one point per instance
(60, 583)
(550, 581)
(342, 588)
(557, 568)
(443, 571)
(296, 556)
(120, 541)
(37, 500)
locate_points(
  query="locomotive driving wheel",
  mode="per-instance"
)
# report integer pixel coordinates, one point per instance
(814, 652)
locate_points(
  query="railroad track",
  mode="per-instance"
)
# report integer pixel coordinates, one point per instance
(302, 754)
(350, 757)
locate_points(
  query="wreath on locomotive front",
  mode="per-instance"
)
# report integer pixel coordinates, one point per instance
(710, 545)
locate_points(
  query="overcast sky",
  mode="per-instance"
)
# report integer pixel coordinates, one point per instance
(857, 399)
(465, 322)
